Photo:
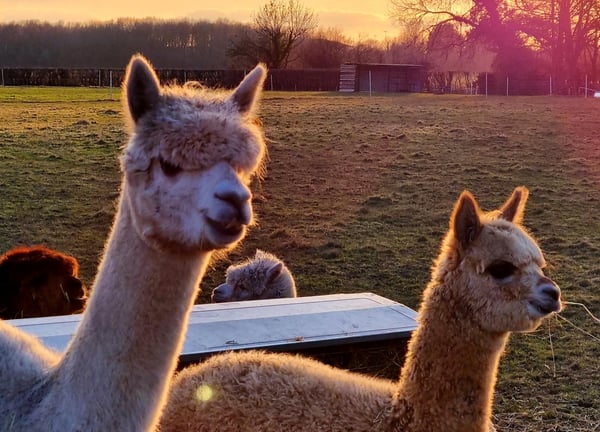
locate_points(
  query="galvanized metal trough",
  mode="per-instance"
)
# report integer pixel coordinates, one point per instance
(334, 328)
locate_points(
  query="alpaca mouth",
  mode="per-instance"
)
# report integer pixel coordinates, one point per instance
(229, 229)
(541, 309)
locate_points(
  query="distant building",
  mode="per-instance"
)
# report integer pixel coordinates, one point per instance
(381, 78)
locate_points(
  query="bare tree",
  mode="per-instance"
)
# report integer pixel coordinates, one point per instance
(279, 25)
(367, 50)
(427, 14)
(409, 46)
(565, 32)
(325, 48)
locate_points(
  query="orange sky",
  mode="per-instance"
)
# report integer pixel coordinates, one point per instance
(356, 18)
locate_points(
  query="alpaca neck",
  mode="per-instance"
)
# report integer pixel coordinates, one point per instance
(127, 345)
(448, 380)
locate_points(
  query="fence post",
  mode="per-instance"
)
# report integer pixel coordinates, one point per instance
(369, 82)
(584, 89)
(2, 77)
(486, 84)
(550, 85)
(506, 86)
(110, 82)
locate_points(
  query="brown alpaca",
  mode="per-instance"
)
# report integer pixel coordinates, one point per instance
(487, 281)
(36, 281)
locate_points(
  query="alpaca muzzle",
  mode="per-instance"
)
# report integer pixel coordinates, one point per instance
(546, 299)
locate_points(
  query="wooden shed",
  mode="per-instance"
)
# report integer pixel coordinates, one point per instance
(382, 78)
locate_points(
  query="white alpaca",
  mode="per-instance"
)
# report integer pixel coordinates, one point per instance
(184, 194)
(487, 281)
(263, 277)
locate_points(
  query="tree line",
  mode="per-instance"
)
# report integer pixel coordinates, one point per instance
(523, 39)
(283, 34)
(184, 44)
(170, 44)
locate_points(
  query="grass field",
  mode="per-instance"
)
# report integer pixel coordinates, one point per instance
(357, 196)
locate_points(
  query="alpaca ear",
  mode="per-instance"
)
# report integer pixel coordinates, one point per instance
(465, 221)
(513, 209)
(142, 87)
(274, 271)
(246, 94)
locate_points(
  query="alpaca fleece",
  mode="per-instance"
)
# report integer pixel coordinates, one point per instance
(263, 277)
(37, 281)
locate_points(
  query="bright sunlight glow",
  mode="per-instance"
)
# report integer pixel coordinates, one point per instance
(204, 393)
(355, 18)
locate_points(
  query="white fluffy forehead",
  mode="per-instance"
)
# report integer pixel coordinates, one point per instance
(503, 240)
(253, 270)
(194, 129)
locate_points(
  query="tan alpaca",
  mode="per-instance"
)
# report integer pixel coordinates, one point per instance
(487, 282)
(186, 170)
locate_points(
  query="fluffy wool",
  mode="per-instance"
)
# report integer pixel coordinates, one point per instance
(487, 281)
(36, 281)
(263, 277)
(195, 128)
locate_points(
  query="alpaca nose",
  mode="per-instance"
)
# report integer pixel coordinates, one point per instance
(549, 296)
(238, 196)
(221, 293)
(550, 289)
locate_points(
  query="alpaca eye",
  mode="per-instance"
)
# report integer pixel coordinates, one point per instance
(168, 168)
(501, 269)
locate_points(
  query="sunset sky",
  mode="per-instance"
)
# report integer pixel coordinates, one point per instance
(356, 18)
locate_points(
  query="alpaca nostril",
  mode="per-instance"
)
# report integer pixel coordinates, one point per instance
(235, 196)
(552, 291)
(238, 196)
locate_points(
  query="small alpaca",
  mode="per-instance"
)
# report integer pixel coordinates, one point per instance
(487, 282)
(184, 194)
(263, 277)
(36, 281)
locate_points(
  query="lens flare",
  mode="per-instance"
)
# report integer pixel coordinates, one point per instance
(204, 393)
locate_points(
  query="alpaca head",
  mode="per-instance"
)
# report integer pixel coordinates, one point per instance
(497, 267)
(190, 159)
(36, 281)
(263, 277)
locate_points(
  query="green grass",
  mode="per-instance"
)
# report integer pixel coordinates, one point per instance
(357, 197)
(27, 94)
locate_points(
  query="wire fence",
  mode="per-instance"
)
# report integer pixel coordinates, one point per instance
(505, 85)
(309, 80)
(277, 79)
